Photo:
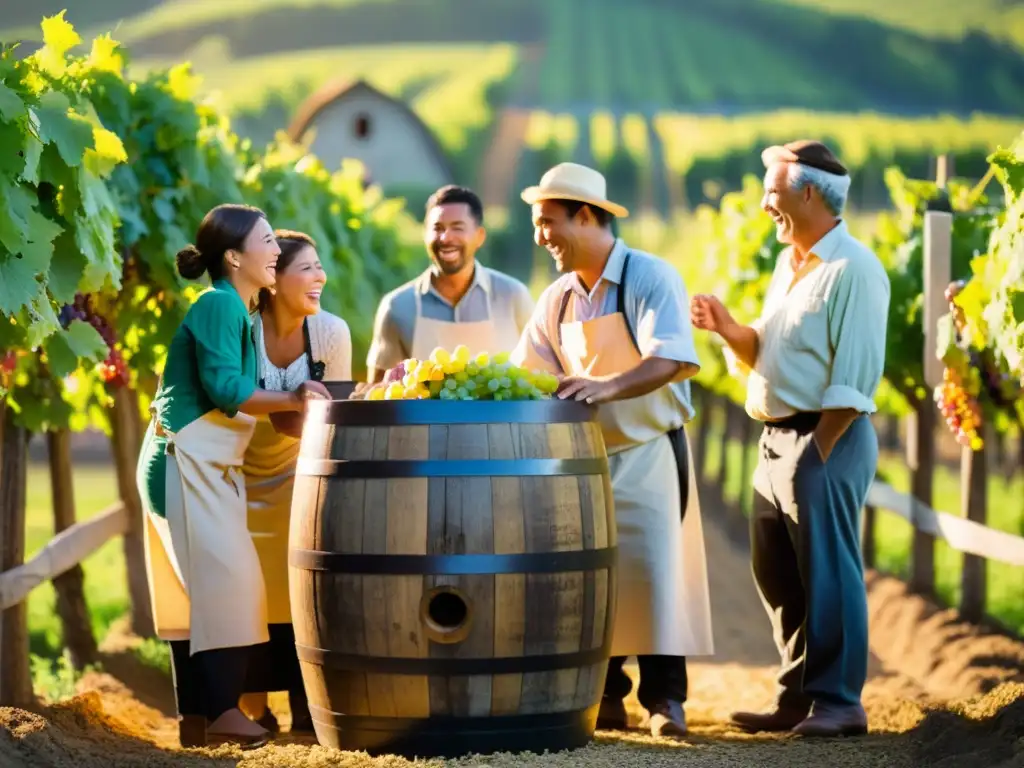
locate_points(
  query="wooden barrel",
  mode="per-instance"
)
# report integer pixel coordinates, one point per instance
(452, 574)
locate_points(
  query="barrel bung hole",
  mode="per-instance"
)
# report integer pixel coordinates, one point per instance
(446, 614)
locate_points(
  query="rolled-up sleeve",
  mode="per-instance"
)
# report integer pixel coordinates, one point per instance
(858, 310)
(663, 318)
(218, 323)
(535, 350)
(386, 349)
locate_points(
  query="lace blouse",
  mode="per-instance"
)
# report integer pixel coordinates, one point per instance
(330, 342)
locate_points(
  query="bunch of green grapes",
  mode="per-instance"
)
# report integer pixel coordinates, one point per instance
(458, 376)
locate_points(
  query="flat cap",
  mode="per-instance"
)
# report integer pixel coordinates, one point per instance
(806, 152)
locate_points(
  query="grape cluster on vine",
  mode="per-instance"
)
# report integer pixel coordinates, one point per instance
(113, 370)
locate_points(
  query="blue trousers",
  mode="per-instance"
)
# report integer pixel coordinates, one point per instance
(806, 557)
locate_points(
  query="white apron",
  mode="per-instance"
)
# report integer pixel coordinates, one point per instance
(663, 605)
(493, 335)
(204, 574)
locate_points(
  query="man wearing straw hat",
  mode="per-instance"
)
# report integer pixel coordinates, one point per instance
(615, 326)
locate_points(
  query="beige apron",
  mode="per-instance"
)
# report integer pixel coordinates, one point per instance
(269, 478)
(663, 605)
(204, 574)
(493, 335)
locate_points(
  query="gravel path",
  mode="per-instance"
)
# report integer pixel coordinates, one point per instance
(122, 717)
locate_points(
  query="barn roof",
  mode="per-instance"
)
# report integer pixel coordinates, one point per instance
(336, 90)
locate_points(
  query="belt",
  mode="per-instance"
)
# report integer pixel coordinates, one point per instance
(803, 421)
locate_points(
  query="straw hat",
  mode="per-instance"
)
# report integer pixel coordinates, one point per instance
(570, 181)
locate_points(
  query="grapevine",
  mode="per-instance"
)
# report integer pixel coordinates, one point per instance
(57, 225)
(982, 337)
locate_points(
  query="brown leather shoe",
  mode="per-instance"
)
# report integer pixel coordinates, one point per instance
(832, 720)
(779, 719)
(192, 731)
(612, 715)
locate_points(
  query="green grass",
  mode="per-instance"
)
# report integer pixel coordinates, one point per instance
(893, 535)
(746, 54)
(106, 590)
(934, 18)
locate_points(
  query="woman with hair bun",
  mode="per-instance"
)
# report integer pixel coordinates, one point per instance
(206, 585)
(296, 341)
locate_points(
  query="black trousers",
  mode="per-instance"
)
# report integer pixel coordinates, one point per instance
(211, 682)
(662, 679)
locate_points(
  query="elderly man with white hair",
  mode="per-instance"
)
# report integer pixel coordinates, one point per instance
(813, 361)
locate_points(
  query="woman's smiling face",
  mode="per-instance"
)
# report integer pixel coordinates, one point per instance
(300, 282)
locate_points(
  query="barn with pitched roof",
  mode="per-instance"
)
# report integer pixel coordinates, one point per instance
(352, 119)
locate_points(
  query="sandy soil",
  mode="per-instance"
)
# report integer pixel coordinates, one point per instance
(940, 694)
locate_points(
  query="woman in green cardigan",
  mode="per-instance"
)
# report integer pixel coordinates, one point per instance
(206, 584)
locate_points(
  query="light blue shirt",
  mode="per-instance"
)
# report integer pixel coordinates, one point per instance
(657, 309)
(822, 340)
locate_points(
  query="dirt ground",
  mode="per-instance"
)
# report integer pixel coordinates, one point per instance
(940, 694)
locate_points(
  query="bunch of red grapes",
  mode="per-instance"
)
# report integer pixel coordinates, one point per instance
(113, 370)
(957, 396)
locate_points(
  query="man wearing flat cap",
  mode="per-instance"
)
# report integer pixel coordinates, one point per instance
(615, 327)
(813, 361)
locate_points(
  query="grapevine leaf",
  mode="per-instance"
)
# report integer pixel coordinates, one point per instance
(183, 85)
(70, 133)
(105, 56)
(33, 153)
(108, 154)
(18, 283)
(44, 321)
(95, 240)
(66, 268)
(1017, 307)
(59, 35)
(12, 158)
(11, 105)
(15, 204)
(946, 336)
(39, 249)
(80, 341)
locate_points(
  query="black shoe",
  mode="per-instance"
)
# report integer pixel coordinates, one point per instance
(832, 720)
(778, 719)
(612, 715)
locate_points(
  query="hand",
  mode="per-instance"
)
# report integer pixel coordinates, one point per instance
(593, 391)
(709, 314)
(310, 390)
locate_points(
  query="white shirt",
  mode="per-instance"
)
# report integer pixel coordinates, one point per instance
(656, 304)
(821, 341)
(330, 342)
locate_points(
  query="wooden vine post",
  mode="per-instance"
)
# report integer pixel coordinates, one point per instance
(69, 586)
(15, 676)
(938, 234)
(126, 440)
